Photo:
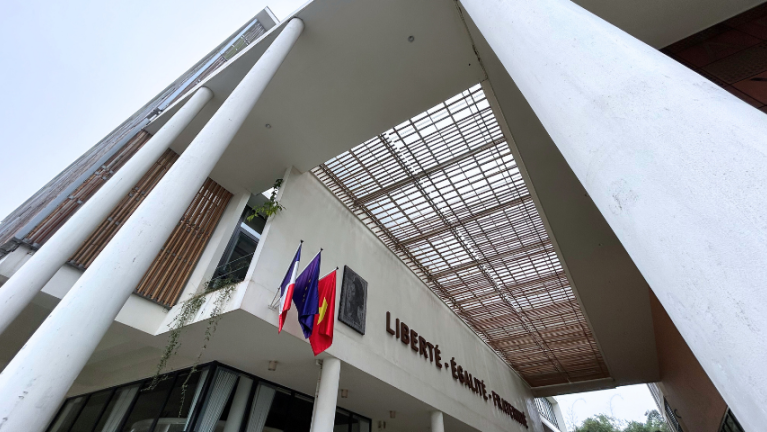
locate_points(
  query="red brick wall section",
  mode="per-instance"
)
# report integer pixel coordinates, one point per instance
(732, 54)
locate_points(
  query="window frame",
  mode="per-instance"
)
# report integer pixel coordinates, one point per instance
(233, 239)
(729, 414)
(199, 407)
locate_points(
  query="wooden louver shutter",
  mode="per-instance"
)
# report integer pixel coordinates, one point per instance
(173, 265)
(109, 227)
(45, 229)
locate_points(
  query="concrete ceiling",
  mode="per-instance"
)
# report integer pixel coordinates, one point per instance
(247, 343)
(353, 74)
(353, 57)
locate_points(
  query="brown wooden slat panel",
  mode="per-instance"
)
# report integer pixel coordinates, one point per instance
(173, 265)
(171, 269)
(42, 232)
(109, 227)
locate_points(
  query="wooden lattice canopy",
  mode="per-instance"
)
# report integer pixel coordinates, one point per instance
(443, 192)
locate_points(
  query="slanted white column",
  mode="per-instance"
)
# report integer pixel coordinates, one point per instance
(437, 421)
(677, 166)
(36, 380)
(324, 415)
(22, 287)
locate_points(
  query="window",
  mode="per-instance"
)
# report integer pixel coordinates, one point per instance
(210, 398)
(546, 410)
(359, 424)
(91, 412)
(147, 407)
(68, 414)
(242, 245)
(278, 412)
(730, 423)
(135, 407)
(176, 412)
(671, 417)
(121, 401)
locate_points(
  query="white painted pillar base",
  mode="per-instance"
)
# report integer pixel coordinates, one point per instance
(324, 415)
(675, 164)
(37, 379)
(437, 421)
(22, 287)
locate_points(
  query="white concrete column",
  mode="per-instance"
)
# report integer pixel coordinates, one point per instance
(324, 415)
(437, 421)
(22, 287)
(675, 164)
(36, 380)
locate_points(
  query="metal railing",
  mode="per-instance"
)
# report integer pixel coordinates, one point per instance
(546, 410)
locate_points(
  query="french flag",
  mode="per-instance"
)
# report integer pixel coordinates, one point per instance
(287, 286)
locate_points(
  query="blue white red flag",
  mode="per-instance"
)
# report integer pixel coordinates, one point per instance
(287, 287)
(306, 296)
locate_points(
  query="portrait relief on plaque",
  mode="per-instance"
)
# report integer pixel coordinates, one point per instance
(354, 296)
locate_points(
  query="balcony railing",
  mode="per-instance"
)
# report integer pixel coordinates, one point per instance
(546, 410)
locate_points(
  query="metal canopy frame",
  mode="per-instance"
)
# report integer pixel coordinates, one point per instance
(443, 192)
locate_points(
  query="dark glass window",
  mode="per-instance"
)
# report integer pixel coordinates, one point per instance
(301, 408)
(343, 421)
(147, 406)
(118, 407)
(214, 397)
(91, 412)
(360, 424)
(67, 414)
(278, 414)
(242, 245)
(173, 417)
(730, 423)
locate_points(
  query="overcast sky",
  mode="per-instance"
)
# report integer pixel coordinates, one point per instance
(74, 70)
(624, 403)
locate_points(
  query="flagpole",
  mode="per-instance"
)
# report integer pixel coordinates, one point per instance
(335, 270)
(315, 256)
(275, 300)
(300, 242)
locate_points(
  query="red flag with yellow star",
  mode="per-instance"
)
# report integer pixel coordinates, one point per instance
(322, 334)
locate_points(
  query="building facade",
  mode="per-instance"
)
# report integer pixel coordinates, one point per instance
(522, 199)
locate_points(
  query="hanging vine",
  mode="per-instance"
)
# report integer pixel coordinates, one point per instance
(225, 288)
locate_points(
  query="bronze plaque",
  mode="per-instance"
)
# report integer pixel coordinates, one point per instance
(354, 297)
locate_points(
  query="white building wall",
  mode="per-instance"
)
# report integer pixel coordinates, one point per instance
(314, 215)
(558, 414)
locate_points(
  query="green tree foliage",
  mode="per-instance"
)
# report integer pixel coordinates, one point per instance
(605, 423)
(271, 206)
(599, 423)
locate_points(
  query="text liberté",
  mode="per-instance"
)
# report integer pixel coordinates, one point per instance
(418, 344)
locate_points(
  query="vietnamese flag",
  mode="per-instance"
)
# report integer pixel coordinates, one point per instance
(322, 336)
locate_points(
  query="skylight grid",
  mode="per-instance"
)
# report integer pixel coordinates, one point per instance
(443, 191)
